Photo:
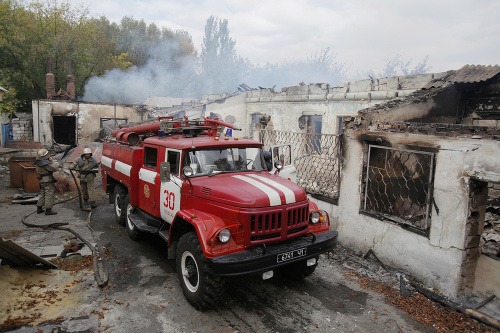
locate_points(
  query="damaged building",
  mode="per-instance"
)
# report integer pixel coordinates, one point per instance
(421, 177)
(409, 167)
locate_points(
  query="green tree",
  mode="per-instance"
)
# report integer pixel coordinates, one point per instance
(221, 68)
(9, 103)
(34, 33)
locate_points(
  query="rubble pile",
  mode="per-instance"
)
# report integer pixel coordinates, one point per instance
(490, 239)
(371, 273)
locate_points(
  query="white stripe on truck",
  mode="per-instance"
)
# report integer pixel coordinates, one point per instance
(289, 195)
(106, 161)
(273, 195)
(147, 175)
(123, 168)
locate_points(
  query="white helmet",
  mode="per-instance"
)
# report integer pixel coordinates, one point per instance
(42, 153)
(87, 151)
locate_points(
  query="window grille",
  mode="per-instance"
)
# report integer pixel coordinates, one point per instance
(398, 186)
(316, 157)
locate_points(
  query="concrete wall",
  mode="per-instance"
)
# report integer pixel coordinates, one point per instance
(87, 115)
(435, 260)
(330, 102)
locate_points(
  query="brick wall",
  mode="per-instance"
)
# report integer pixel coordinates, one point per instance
(22, 127)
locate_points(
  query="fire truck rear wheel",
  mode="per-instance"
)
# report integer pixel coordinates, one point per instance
(298, 270)
(132, 230)
(200, 287)
(120, 202)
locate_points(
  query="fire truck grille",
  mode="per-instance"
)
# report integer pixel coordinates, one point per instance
(276, 225)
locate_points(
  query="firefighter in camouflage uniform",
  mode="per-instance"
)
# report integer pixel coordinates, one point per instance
(45, 167)
(86, 166)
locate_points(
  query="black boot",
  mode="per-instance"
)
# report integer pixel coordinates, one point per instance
(92, 204)
(49, 211)
(39, 209)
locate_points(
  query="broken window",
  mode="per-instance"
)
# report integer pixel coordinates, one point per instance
(398, 186)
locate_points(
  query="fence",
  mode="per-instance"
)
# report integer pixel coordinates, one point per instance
(398, 185)
(316, 157)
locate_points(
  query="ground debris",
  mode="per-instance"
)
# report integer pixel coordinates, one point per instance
(74, 263)
(423, 310)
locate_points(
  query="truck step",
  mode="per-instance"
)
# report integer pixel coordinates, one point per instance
(144, 222)
(164, 234)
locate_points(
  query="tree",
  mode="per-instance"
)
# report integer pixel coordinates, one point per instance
(319, 67)
(221, 68)
(9, 102)
(42, 30)
(396, 66)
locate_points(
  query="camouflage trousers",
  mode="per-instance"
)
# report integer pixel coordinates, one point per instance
(87, 189)
(46, 199)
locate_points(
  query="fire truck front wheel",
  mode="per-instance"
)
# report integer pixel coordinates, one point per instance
(200, 287)
(132, 230)
(120, 202)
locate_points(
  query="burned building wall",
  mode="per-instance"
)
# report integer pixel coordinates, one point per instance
(437, 256)
(76, 122)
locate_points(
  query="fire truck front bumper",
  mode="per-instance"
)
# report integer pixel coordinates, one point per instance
(265, 258)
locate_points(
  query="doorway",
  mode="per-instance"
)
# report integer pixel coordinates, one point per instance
(64, 130)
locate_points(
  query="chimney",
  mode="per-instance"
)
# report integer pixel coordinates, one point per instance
(50, 81)
(70, 82)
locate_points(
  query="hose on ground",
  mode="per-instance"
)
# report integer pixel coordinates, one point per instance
(99, 260)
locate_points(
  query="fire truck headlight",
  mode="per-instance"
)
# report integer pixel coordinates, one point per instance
(224, 235)
(315, 217)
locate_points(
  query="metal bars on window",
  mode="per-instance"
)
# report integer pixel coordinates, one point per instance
(316, 158)
(398, 185)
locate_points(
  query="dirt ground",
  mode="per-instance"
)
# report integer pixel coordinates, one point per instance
(346, 293)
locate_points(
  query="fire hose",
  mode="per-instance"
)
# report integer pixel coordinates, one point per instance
(99, 260)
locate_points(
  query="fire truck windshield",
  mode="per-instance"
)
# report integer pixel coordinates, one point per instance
(212, 161)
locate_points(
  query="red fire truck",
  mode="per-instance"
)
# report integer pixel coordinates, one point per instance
(215, 203)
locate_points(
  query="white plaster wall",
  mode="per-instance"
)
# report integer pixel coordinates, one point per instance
(233, 106)
(87, 115)
(435, 261)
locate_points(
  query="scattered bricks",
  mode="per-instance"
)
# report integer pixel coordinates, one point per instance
(297, 90)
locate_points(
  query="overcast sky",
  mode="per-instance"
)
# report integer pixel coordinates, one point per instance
(363, 33)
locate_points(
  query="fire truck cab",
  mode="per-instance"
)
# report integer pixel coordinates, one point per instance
(215, 203)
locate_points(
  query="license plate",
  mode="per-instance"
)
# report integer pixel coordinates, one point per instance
(285, 256)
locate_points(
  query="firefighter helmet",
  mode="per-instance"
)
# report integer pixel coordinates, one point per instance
(87, 151)
(42, 153)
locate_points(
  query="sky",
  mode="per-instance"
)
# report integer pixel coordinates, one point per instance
(362, 33)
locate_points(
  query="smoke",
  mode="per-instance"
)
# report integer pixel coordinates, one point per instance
(165, 73)
(169, 74)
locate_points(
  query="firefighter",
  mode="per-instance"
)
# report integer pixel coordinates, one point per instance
(45, 167)
(86, 166)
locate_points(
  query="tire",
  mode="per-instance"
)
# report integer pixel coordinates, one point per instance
(120, 201)
(298, 270)
(200, 287)
(132, 230)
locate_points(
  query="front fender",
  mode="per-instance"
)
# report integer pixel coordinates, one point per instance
(207, 227)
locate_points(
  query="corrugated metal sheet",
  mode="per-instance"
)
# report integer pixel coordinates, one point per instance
(467, 74)
(16, 255)
(474, 73)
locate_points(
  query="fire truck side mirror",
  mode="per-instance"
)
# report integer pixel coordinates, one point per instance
(187, 171)
(165, 171)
